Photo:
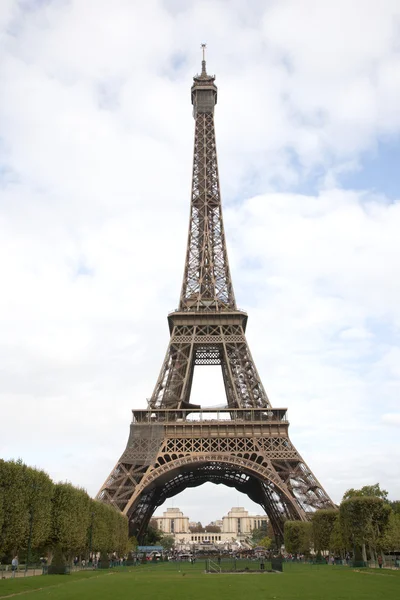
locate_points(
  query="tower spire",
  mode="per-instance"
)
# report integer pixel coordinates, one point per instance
(207, 284)
(203, 62)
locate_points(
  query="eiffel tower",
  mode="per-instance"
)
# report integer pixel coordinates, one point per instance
(174, 444)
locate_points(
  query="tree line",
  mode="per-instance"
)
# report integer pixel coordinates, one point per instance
(199, 528)
(38, 515)
(366, 524)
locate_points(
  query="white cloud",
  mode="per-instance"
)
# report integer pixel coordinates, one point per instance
(96, 152)
(354, 333)
(391, 419)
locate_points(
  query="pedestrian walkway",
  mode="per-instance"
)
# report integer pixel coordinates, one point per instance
(6, 573)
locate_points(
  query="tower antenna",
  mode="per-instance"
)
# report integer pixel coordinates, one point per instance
(203, 62)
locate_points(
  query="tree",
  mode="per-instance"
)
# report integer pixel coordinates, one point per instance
(323, 523)
(395, 504)
(390, 540)
(258, 533)
(13, 493)
(270, 530)
(367, 490)
(297, 536)
(153, 523)
(99, 527)
(265, 542)
(2, 511)
(336, 542)
(36, 513)
(132, 544)
(198, 528)
(25, 507)
(364, 520)
(120, 528)
(70, 518)
(167, 542)
(109, 529)
(57, 566)
(58, 559)
(212, 528)
(153, 534)
(39, 495)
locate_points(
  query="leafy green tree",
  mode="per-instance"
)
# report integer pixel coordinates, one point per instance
(265, 542)
(104, 560)
(258, 533)
(13, 493)
(120, 529)
(35, 512)
(99, 527)
(153, 534)
(25, 507)
(390, 540)
(2, 514)
(167, 542)
(336, 542)
(323, 523)
(70, 518)
(39, 495)
(133, 544)
(109, 529)
(58, 559)
(297, 536)
(367, 490)
(115, 544)
(364, 520)
(395, 506)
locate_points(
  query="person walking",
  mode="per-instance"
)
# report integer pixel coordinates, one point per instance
(14, 565)
(380, 561)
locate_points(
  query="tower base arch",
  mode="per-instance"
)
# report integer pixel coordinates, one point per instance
(250, 451)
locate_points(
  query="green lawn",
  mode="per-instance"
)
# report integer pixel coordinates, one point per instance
(175, 581)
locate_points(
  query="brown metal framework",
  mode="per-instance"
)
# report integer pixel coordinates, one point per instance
(174, 444)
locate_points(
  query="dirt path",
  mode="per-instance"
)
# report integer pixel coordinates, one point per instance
(20, 574)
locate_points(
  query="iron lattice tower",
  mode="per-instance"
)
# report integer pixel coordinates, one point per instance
(174, 444)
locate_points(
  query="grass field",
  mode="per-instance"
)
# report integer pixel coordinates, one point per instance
(174, 581)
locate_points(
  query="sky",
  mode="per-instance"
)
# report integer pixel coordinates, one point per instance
(96, 142)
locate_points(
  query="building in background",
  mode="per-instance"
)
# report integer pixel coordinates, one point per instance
(235, 529)
(240, 523)
(172, 522)
(217, 523)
